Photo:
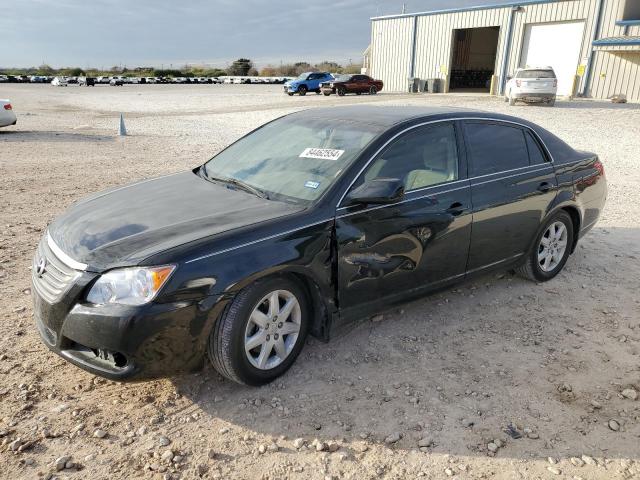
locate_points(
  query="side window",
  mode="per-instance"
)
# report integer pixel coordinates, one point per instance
(313, 76)
(421, 158)
(495, 147)
(536, 156)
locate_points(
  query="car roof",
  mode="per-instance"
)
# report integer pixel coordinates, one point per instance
(389, 116)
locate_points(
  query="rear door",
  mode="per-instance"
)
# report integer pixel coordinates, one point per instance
(513, 183)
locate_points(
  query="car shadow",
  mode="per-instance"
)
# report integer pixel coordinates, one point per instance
(51, 136)
(596, 104)
(537, 366)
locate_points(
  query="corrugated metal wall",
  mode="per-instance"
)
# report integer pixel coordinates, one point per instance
(615, 73)
(392, 39)
(391, 42)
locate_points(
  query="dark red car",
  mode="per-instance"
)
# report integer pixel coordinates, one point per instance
(357, 84)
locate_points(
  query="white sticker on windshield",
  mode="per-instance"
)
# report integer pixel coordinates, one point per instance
(310, 184)
(322, 153)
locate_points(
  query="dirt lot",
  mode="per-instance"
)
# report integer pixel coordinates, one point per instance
(425, 393)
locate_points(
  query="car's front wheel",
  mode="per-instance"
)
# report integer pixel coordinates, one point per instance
(551, 249)
(261, 332)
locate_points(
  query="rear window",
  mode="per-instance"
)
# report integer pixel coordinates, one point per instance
(536, 74)
(495, 148)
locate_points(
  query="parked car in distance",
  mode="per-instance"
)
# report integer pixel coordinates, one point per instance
(312, 220)
(532, 85)
(4, 79)
(306, 82)
(7, 115)
(59, 82)
(87, 81)
(357, 84)
(116, 82)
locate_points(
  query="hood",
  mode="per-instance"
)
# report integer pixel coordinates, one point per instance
(125, 225)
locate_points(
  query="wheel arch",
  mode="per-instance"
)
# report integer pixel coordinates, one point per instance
(574, 213)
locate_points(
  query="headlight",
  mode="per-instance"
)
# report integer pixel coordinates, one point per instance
(129, 286)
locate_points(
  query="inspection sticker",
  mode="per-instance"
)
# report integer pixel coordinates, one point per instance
(322, 153)
(310, 184)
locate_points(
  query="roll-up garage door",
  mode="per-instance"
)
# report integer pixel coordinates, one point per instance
(557, 45)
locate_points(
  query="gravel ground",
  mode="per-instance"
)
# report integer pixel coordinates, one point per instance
(426, 391)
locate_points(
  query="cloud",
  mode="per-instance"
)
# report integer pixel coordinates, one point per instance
(102, 33)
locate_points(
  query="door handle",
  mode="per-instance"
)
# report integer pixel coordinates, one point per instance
(455, 209)
(544, 187)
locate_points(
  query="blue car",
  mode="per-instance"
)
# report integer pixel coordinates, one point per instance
(307, 82)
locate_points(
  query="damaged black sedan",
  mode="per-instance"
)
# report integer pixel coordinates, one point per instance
(312, 220)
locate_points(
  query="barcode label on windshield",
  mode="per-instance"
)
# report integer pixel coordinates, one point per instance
(322, 153)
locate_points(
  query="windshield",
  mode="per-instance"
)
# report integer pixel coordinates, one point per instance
(536, 74)
(292, 158)
(302, 76)
(343, 78)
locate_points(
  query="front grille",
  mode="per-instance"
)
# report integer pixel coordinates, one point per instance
(57, 276)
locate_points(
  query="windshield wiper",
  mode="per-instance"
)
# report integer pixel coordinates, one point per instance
(237, 183)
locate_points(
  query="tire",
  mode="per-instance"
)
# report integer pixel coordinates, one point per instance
(226, 347)
(373, 90)
(551, 102)
(326, 94)
(290, 94)
(317, 92)
(341, 91)
(302, 90)
(532, 268)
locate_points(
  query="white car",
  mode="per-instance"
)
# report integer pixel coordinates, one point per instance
(532, 85)
(7, 115)
(59, 82)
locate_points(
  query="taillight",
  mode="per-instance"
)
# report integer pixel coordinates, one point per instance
(518, 83)
(599, 167)
(555, 83)
(7, 106)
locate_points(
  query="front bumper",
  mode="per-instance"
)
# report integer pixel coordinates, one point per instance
(122, 342)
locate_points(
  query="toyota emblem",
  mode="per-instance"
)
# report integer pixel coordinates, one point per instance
(41, 267)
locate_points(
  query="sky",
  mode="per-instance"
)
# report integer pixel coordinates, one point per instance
(172, 33)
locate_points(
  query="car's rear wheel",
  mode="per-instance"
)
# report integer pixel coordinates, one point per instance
(326, 94)
(551, 249)
(302, 90)
(373, 90)
(261, 332)
(341, 91)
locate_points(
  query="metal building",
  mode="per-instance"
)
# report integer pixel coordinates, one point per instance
(593, 45)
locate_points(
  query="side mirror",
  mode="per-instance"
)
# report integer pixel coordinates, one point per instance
(377, 191)
(509, 77)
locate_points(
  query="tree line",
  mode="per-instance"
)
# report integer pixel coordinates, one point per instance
(240, 67)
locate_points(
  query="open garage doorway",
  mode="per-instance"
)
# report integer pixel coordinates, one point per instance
(473, 58)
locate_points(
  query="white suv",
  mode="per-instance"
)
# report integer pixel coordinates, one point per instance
(532, 85)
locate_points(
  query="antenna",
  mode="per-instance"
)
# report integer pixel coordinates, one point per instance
(404, 8)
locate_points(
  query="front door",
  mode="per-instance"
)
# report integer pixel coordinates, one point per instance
(512, 185)
(419, 242)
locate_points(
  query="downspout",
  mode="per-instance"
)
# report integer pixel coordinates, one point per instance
(594, 37)
(412, 66)
(507, 48)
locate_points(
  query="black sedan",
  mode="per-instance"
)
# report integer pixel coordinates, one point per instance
(310, 221)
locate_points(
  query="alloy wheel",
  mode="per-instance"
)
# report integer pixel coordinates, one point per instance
(272, 330)
(552, 247)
